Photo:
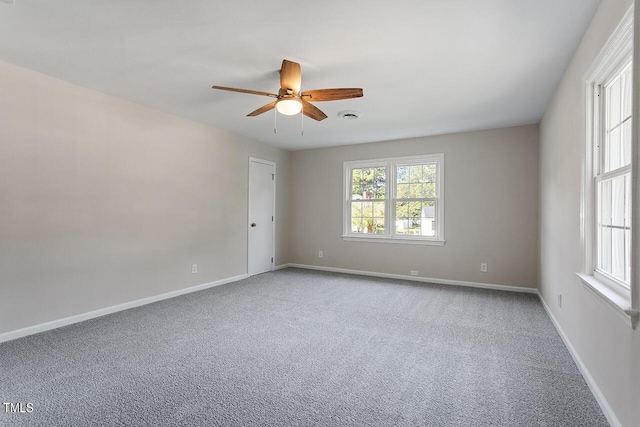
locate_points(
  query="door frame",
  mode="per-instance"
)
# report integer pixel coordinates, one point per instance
(273, 213)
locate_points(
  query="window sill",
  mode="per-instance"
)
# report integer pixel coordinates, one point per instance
(384, 239)
(620, 300)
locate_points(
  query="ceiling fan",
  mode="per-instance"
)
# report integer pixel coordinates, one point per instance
(289, 99)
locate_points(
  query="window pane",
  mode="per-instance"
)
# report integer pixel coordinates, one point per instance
(617, 201)
(428, 223)
(604, 200)
(356, 191)
(415, 209)
(368, 225)
(415, 191)
(430, 190)
(605, 249)
(378, 210)
(367, 209)
(627, 249)
(429, 173)
(627, 94)
(416, 173)
(402, 174)
(378, 225)
(614, 158)
(402, 218)
(414, 226)
(627, 231)
(617, 253)
(402, 191)
(356, 184)
(626, 143)
(356, 209)
(368, 183)
(356, 225)
(402, 210)
(613, 103)
(627, 200)
(380, 183)
(603, 159)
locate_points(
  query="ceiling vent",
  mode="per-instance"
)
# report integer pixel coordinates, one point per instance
(349, 115)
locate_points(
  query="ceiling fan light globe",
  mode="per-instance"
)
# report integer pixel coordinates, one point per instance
(289, 107)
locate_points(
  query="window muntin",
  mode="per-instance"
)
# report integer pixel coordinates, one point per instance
(612, 182)
(395, 199)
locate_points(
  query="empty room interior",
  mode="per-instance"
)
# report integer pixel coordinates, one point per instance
(335, 213)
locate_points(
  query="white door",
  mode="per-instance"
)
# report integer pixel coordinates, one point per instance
(262, 187)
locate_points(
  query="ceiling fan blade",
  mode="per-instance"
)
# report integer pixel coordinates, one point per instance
(312, 111)
(252, 92)
(263, 109)
(290, 76)
(331, 94)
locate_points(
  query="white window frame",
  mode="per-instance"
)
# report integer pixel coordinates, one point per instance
(611, 61)
(390, 164)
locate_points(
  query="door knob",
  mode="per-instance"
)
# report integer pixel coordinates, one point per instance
(253, 224)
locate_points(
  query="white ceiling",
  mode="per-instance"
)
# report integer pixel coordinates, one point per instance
(426, 66)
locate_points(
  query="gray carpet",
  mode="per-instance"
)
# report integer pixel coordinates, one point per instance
(303, 348)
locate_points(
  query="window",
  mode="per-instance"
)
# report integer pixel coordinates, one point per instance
(395, 200)
(612, 182)
(607, 188)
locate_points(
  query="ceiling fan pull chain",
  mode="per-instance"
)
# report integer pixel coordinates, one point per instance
(301, 123)
(275, 121)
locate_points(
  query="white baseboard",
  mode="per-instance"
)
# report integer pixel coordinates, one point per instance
(415, 278)
(595, 390)
(30, 330)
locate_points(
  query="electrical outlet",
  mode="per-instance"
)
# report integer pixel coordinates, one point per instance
(560, 300)
(414, 272)
(483, 267)
(194, 268)
(320, 254)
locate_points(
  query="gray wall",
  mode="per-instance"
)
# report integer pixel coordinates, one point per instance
(491, 192)
(104, 201)
(609, 348)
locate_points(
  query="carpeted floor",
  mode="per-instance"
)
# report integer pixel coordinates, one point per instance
(304, 348)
